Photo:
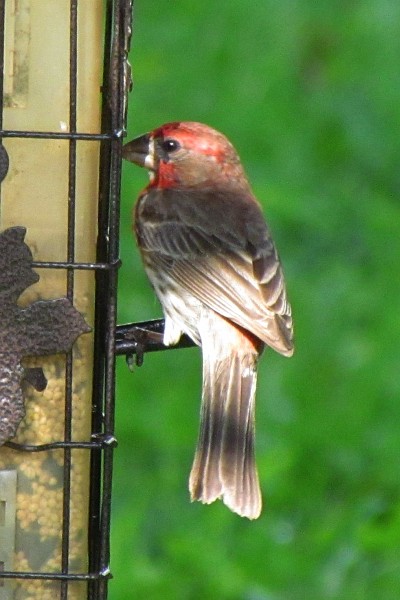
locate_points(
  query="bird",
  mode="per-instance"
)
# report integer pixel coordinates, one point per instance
(210, 258)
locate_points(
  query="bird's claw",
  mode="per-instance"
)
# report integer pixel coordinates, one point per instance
(142, 339)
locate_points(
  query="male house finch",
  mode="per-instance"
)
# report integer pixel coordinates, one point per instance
(213, 265)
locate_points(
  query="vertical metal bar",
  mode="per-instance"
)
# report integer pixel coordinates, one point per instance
(102, 285)
(105, 319)
(116, 97)
(70, 291)
(109, 373)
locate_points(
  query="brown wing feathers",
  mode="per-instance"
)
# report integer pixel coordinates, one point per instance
(235, 272)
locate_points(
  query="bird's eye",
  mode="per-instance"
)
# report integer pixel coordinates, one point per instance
(170, 145)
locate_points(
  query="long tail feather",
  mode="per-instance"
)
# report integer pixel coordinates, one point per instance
(224, 465)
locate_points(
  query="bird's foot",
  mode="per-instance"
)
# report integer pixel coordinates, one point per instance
(142, 339)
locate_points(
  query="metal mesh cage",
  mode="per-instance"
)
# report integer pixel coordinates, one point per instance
(67, 577)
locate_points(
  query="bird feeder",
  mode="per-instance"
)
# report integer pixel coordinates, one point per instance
(63, 97)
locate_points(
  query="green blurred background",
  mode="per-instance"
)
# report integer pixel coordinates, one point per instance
(309, 93)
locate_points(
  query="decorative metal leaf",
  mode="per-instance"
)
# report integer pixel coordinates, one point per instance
(45, 327)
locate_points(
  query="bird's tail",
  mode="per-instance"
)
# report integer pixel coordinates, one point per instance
(224, 464)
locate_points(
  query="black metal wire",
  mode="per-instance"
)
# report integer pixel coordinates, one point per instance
(73, 76)
(102, 441)
(65, 577)
(61, 135)
(82, 266)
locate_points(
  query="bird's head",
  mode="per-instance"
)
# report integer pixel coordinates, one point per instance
(187, 155)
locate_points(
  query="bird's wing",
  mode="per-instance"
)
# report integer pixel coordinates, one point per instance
(229, 263)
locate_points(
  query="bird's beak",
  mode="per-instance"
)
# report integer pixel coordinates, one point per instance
(140, 151)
